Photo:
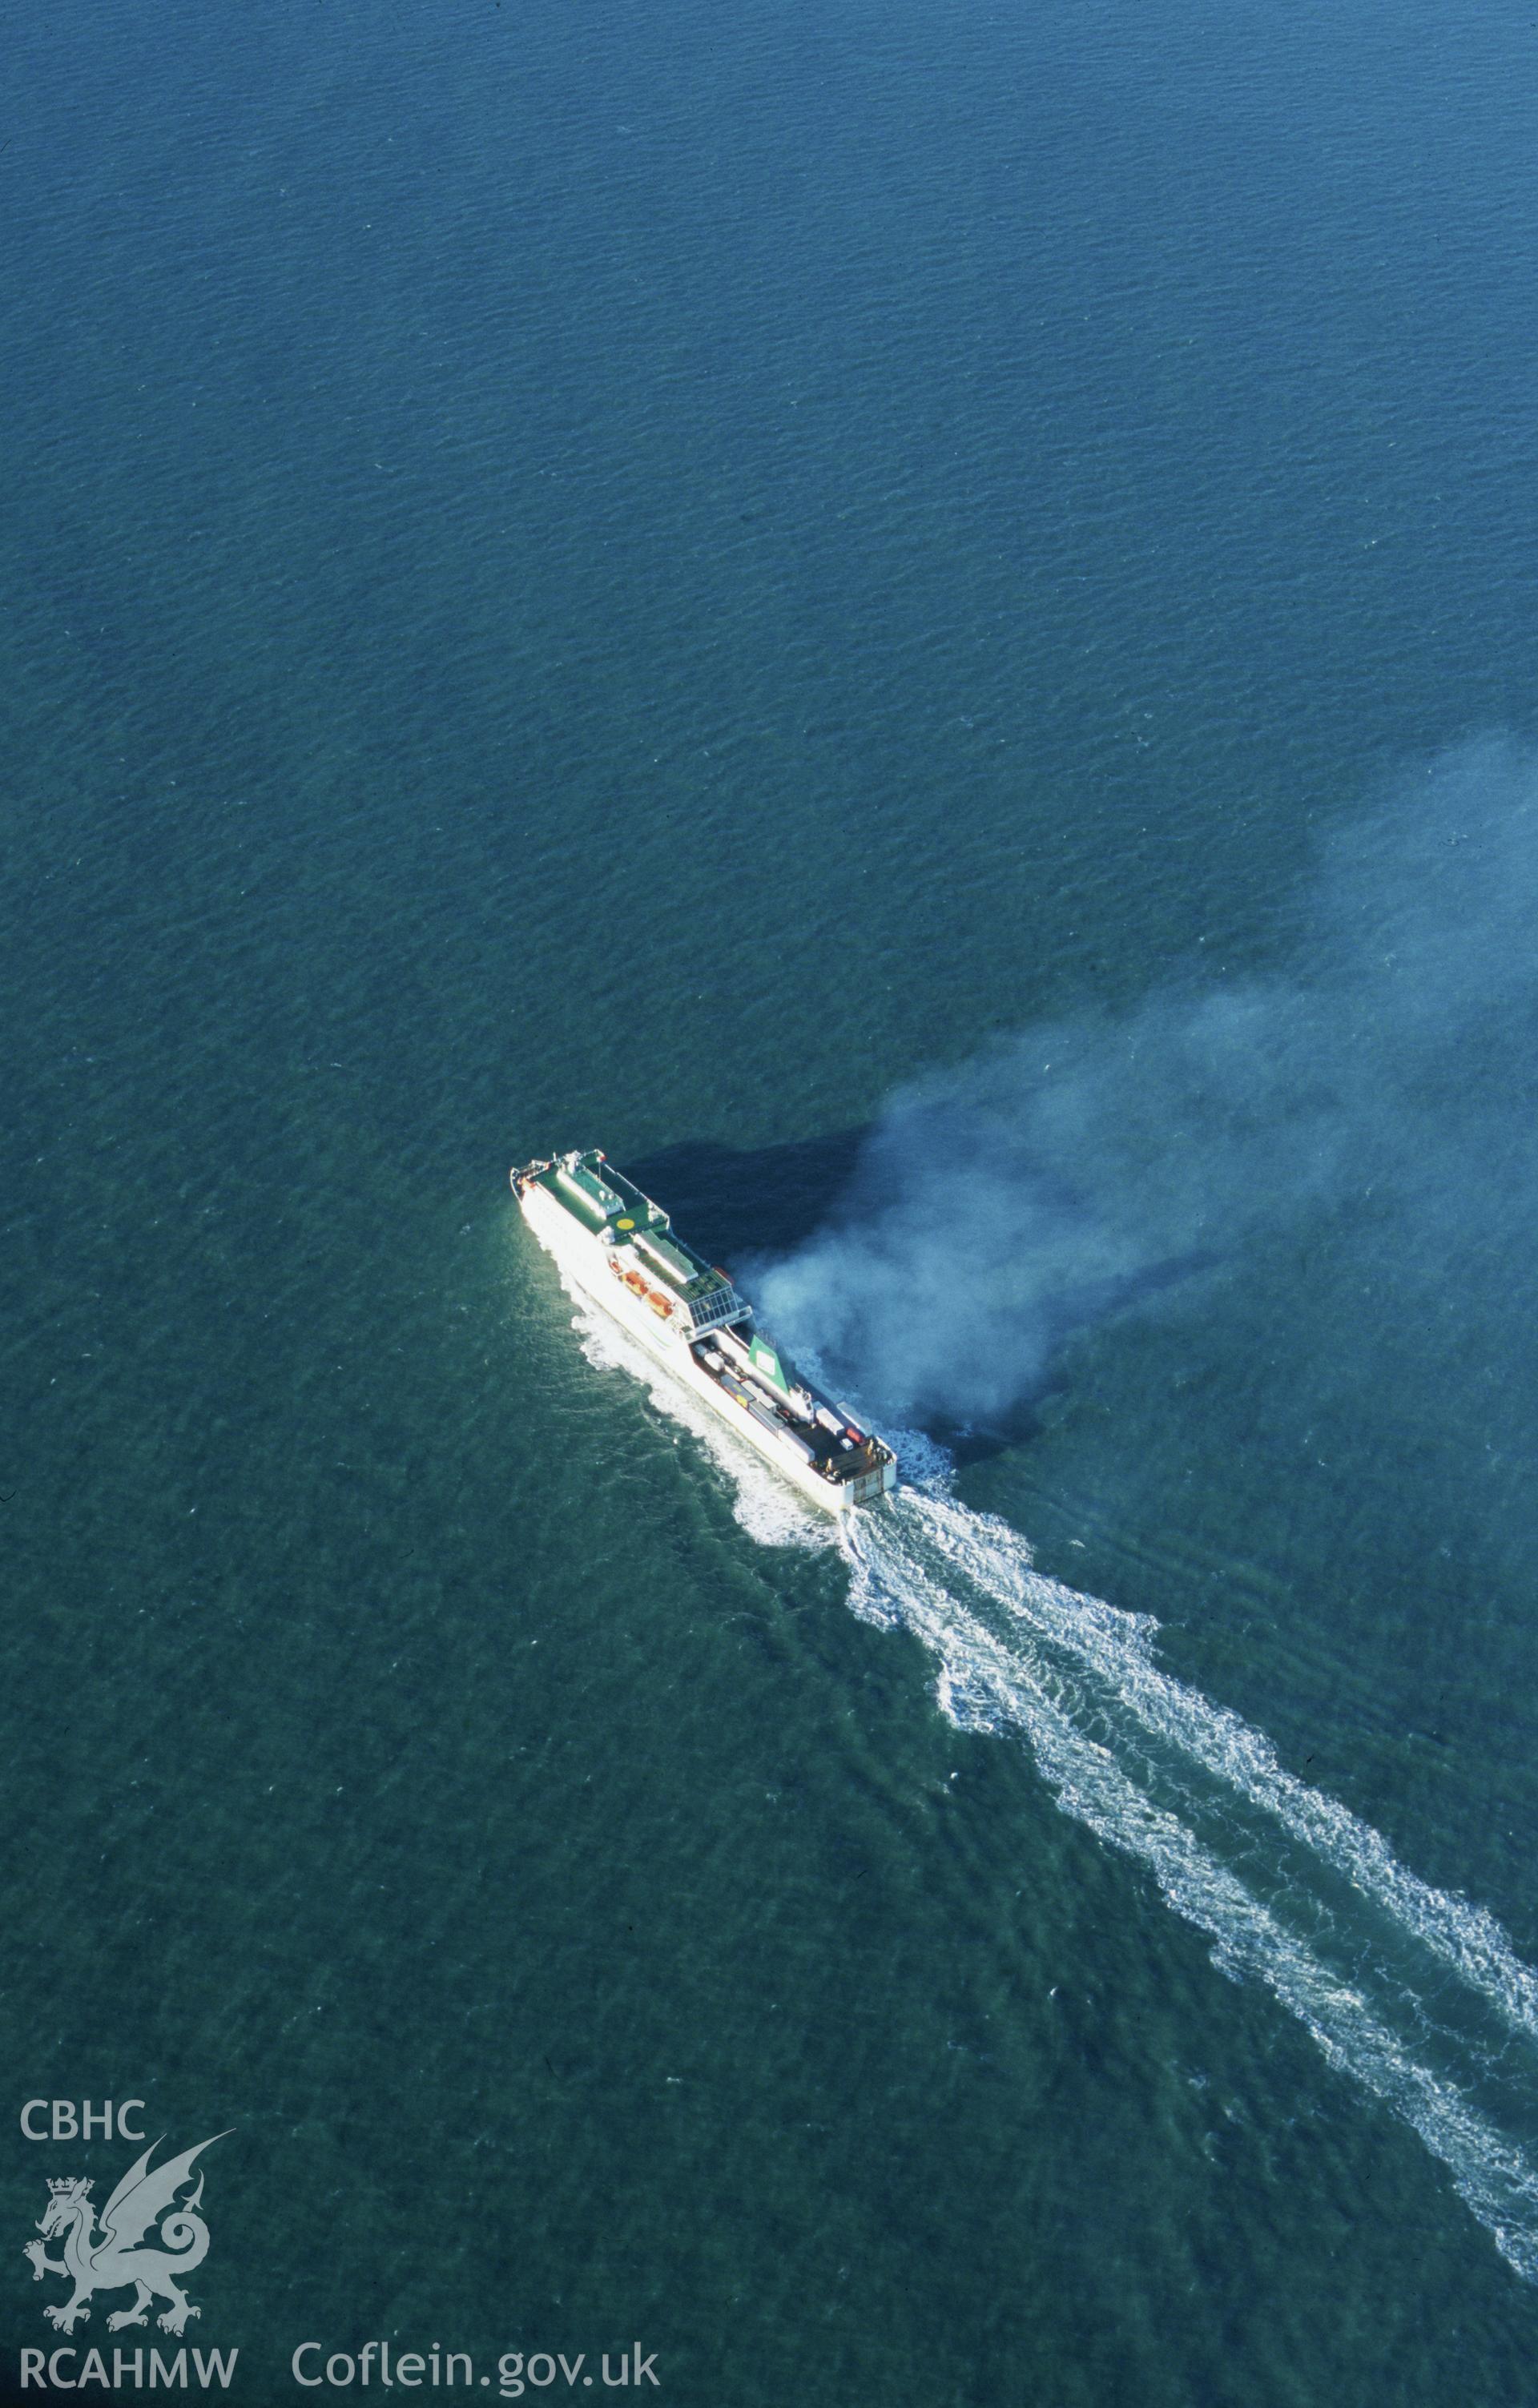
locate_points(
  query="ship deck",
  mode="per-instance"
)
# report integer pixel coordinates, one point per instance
(613, 1210)
(811, 1433)
(831, 1453)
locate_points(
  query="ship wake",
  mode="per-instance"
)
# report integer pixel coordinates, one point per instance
(1415, 1994)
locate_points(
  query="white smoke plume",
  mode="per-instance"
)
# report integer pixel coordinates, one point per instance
(1096, 1164)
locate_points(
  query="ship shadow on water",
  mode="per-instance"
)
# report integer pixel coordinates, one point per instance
(738, 1204)
(733, 1201)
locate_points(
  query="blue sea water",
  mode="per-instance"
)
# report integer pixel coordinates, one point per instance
(921, 624)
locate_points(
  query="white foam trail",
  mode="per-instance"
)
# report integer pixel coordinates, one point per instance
(908, 1560)
(984, 1684)
(1116, 1646)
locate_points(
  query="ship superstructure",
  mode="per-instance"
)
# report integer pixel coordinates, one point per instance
(624, 1251)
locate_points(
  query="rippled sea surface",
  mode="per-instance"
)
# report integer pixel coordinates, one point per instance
(655, 577)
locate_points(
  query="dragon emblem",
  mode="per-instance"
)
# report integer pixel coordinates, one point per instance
(111, 2258)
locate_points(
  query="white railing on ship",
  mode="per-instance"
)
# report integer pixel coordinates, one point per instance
(716, 1308)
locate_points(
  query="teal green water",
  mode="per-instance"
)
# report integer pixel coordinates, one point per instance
(584, 575)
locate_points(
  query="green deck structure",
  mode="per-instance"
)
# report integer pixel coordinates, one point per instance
(612, 1207)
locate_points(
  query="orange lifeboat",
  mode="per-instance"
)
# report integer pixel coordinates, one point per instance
(661, 1305)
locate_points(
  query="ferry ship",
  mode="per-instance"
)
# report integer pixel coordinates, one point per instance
(623, 1250)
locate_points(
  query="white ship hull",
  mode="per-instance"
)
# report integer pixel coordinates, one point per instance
(585, 1262)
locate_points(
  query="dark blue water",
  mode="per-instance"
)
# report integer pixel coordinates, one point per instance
(576, 574)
